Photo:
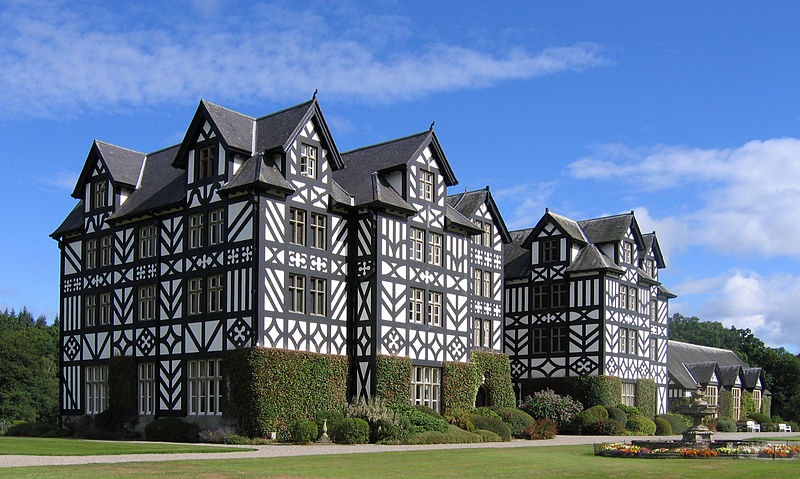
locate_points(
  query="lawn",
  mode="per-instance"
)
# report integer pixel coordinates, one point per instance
(778, 439)
(535, 462)
(35, 446)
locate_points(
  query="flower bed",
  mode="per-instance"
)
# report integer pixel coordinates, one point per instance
(620, 449)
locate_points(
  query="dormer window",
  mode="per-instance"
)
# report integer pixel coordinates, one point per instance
(627, 252)
(550, 251)
(99, 194)
(426, 185)
(206, 162)
(308, 161)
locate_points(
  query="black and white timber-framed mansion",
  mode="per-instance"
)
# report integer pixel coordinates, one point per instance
(582, 298)
(259, 232)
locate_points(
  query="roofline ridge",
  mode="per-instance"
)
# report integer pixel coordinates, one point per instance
(120, 147)
(226, 108)
(426, 132)
(163, 149)
(284, 110)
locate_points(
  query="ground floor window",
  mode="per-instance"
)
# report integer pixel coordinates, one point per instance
(629, 394)
(712, 397)
(204, 392)
(96, 389)
(147, 388)
(426, 386)
(757, 399)
(736, 395)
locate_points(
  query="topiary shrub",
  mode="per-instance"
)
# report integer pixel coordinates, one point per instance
(548, 404)
(461, 419)
(646, 397)
(663, 427)
(460, 384)
(329, 419)
(640, 425)
(629, 410)
(517, 420)
(488, 436)
(722, 424)
(420, 420)
(171, 429)
(393, 379)
(604, 427)
(617, 414)
(486, 412)
(679, 422)
(495, 425)
(591, 415)
(544, 428)
(303, 431)
(351, 430)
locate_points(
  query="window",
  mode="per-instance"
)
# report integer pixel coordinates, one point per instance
(91, 253)
(627, 252)
(550, 250)
(100, 194)
(318, 291)
(318, 228)
(757, 399)
(195, 231)
(653, 310)
(90, 311)
(736, 395)
(477, 277)
(478, 238)
(206, 161)
(654, 349)
(482, 282)
(558, 295)
(194, 292)
(96, 389)
(147, 388)
(416, 303)
(204, 387)
(308, 161)
(482, 332)
(487, 284)
(147, 302)
(623, 340)
(623, 296)
(297, 225)
(539, 340)
(215, 287)
(106, 251)
(629, 394)
(558, 339)
(426, 185)
(425, 386)
(487, 234)
(105, 308)
(216, 227)
(650, 267)
(633, 337)
(297, 291)
(434, 308)
(417, 244)
(539, 297)
(628, 340)
(147, 241)
(632, 300)
(435, 249)
(712, 397)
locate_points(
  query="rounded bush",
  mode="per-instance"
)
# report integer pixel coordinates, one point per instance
(351, 430)
(592, 415)
(488, 436)
(617, 414)
(516, 419)
(485, 412)
(629, 410)
(640, 425)
(679, 422)
(495, 425)
(303, 431)
(663, 427)
(171, 429)
(460, 418)
(544, 428)
(421, 420)
(604, 427)
(725, 425)
(548, 404)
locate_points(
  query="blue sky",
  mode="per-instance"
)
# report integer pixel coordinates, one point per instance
(687, 113)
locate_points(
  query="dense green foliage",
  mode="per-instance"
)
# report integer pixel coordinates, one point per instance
(722, 424)
(605, 427)
(646, 397)
(171, 429)
(725, 405)
(497, 426)
(460, 384)
(544, 428)
(453, 435)
(588, 390)
(617, 414)
(351, 430)
(496, 369)
(679, 422)
(663, 427)
(516, 419)
(592, 414)
(271, 388)
(551, 405)
(303, 431)
(122, 391)
(393, 379)
(28, 369)
(640, 425)
(781, 368)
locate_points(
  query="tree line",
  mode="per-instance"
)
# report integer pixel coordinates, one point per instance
(781, 367)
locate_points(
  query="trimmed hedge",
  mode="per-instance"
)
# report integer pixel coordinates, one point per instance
(592, 415)
(589, 390)
(724, 425)
(351, 430)
(460, 384)
(304, 431)
(679, 422)
(617, 414)
(268, 389)
(393, 379)
(497, 370)
(517, 420)
(766, 406)
(663, 427)
(641, 425)
(748, 405)
(171, 429)
(605, 427)
(646, 397)
(497, 426)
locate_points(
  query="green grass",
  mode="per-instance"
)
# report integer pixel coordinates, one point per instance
(36, 446)
(776, 438)
(536, 462)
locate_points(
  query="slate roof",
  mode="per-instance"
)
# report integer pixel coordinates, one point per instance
(235, 128)
(608, 229)
(453, 217)
(124, 165)
(702, 372)
(517, 257)
(729, 374)
(468, 202)
(751, 377)
(693, 353)
(258, 172)
(570, 227)
(275, 129)
(688, 364)
(162, 185)
(73, 222)
(590, 258)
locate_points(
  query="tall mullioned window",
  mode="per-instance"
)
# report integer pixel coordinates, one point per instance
(426, 386)
(629, 394)
(215, 287)
(435, 249)
(194, 290)
(551, 250)
(147, 241)
(318, 231)
(91, 253)
(297, 291)
(627, 252)
(434, 308)
(712, 396)
(206, 162)
(100, 194)
(318, 290)
(558, 339)
(147, 389)
(96, 389)
(308, 161)
(204, 381)
(558, 295)
(90, 310)
(539, 297)
(196, 231)
(147, 302)
(426, 185)
(297, 226)
(216, 226)
(417, 252)
(539, 340)
(416, 305)
(106, 250)
(105, 308)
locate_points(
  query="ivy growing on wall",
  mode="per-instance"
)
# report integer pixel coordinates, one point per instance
(122, 387)
(589, 390)
(766, 405)
(496, 369)
(460, 384)
(269, 389)
(748, 405)
(646, 397)
(393, 379)
(725, 408)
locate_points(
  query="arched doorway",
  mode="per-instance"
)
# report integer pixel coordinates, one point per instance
(481, 397)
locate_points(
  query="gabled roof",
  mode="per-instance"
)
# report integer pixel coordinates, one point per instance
(702, 373)
(751, 377)
(453, 218)
(235, 129)
(340, 195)
(162, 185)
(468, 202)
(73, 222)
(692, 359)
(610, 229)
(590, 258)
(693, 353)
(651, 243)
(259, 173)
(729, 374)
(383, 194)
(680, 375)
(664, 292)
(567, 226)
(516, 257)
(123, 165)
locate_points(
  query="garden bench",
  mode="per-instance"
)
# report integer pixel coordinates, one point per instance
(753, 426)
(784, 427)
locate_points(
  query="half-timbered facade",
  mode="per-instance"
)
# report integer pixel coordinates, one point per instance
(583, 298)
(258, 232)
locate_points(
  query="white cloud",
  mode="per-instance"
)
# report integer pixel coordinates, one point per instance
(748, 196)
(523, 205)
(60, 180)
(56, 63)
